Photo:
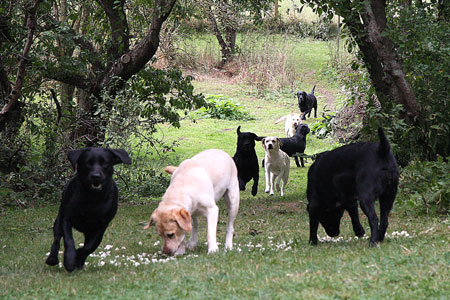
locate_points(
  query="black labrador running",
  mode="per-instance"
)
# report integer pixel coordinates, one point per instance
(338, 179)
(246, 160)
(89, 203)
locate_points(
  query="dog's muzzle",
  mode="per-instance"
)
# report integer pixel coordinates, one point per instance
(96, 186)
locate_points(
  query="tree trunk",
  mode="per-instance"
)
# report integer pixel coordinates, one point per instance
(227, 44)
(92, 130)
(388, 76)
(367, 28)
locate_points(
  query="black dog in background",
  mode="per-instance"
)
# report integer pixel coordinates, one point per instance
(338, 179)
(89, 203)
(296, 143)
(246, 159)
(306, 102)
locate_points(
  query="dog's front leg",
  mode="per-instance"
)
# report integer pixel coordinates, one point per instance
(313, 226)
(272, 183)
(267, 180)
(241, 183)
(354, 216)
(91, 242)
(193, 240)
(57, 234)
(296, 161)
(69, 245)
(255, 185)
(212, 218)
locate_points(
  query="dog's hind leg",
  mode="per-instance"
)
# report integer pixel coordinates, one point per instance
(386, 203)
(193, 240)
(52, 258)
(232, 202)
(212, 217)
(367, 202)
(353, 212)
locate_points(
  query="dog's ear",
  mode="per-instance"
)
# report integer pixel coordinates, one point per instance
(305, 129)
(120, 156)
(73, 156)
(238, 131)
(170, 169)
(263, 143)
(279, 142)
(152, 220)
(257, 138)
(183, 219)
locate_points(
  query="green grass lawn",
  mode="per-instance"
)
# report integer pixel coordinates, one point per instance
(271, 258)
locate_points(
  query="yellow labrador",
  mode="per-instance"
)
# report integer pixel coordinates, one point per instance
(290, 123)
(276, 165)
(195, 187)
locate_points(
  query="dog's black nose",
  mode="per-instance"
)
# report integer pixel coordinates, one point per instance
(96, 175)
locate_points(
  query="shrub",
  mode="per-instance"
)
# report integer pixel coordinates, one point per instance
(221, 107)
(323, 126)
(425, 186)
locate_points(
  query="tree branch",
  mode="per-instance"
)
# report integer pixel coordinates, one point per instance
(119, 26)
(134, 60)
(17, 89)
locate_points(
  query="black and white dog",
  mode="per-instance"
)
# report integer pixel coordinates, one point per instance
(306, 102)
(339, 179)
(89, 203)
(246, 160)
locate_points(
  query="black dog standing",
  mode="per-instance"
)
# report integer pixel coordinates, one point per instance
(246, 160)
(89, 203)
(306, 102)
(296, 143)
(357, 172)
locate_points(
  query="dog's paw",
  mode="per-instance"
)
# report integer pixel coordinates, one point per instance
(228, 246)
(213, 248)
(373, 244)
(313, 242)
(360, 233)
(52, 260)
(191, 245)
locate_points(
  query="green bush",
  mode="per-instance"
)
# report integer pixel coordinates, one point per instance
(323, 126)
(426, 186)
(221, 107)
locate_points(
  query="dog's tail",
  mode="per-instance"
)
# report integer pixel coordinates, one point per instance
(280, 119)
(383, 146)
(312, 92)
(170, 169)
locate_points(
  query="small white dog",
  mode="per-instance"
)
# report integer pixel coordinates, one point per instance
(290, 123)
(195, 187)
(276, 165)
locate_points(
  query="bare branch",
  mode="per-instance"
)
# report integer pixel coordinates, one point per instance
(17, 89)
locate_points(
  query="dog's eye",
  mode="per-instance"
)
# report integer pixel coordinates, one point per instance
(170, 235)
